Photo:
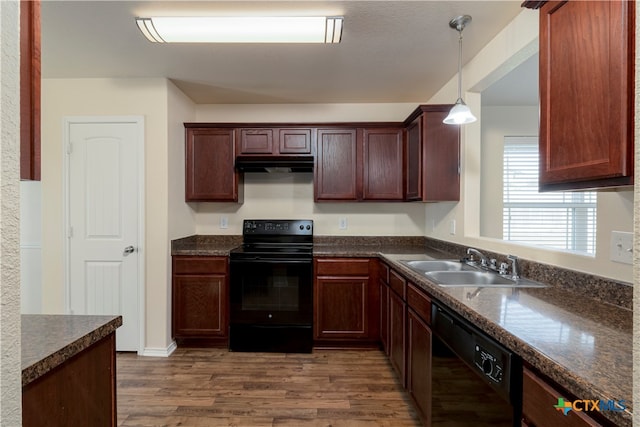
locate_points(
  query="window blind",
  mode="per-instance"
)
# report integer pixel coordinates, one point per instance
(561, 220)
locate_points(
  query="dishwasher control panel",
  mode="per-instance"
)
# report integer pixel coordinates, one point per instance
(489, 364)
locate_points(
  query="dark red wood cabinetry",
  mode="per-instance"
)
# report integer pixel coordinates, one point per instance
(368, 161)
(405, 333)
(79, 392)
(200, 299)
(360, 164)
(210, 172)
(336, 167)
(538, 400)
(30, 84)
(586, 93)
(346, 302)
(382, 164)
(276, 141)
(433, 160)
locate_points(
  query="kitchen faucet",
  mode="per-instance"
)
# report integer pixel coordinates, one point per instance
(484, 261)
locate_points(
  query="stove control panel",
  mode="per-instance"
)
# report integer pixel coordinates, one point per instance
(277, 227)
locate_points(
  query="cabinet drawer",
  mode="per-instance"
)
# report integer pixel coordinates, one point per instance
(538, 400)
(398, 284)
(419, 302)
(342, 267)
(199, 265)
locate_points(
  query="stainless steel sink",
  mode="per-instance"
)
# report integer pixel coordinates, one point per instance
(478, 279)
(437, 265)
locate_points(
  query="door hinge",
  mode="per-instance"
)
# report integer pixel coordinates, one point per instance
(69, 148)
(70, 232)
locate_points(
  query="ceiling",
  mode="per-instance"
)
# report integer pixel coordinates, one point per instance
(391, 51)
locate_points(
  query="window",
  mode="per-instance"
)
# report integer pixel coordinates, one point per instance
(561, 220)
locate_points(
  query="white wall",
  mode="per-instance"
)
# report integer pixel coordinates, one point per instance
(10, 372)
(30, 247)
(516, 43)
(291, 195)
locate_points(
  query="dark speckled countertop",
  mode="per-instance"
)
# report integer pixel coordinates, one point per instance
(50, 340)
(577, 331)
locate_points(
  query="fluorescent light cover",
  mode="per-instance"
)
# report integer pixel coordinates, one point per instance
(227, 29)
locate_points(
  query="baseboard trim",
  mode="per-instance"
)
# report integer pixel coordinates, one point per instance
(160, 352)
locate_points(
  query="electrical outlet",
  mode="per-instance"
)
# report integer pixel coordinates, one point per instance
(452, 227)
(622, 247)
(342, 223)
(224, 222)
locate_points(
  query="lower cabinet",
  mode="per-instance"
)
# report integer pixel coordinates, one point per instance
(539, 399)
(384, 307)
(405, 333)
(200, 300)
(79, 392)
(397, 317)
(345, 302)
(419, 351)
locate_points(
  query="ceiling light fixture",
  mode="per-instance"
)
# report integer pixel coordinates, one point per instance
(460, 114)
(230, 29)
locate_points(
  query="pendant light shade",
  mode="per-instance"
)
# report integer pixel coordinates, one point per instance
(460, 113)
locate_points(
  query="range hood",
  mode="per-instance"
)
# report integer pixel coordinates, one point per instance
(274, 163)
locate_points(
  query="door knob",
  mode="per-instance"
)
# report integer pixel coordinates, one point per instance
(129, 250)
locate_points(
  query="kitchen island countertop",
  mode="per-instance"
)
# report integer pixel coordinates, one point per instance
(50, 340)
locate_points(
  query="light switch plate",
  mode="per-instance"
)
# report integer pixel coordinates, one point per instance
(621, 247)
(224, 222)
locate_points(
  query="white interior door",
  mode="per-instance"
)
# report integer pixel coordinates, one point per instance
(103, 216)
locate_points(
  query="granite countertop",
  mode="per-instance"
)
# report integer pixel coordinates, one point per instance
(577, 331)
(50, 340)
(582, 344)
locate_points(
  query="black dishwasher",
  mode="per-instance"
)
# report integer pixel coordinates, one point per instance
(475, 380)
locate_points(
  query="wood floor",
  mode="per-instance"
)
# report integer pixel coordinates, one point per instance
(214, 387)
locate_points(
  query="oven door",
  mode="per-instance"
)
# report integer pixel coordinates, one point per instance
(271, 291)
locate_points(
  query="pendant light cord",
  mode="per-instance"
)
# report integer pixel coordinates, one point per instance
(460, 65)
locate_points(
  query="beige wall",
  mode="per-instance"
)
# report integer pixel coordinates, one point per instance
(95, 97)
(516, 43)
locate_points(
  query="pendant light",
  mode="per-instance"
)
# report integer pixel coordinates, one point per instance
(460, 114)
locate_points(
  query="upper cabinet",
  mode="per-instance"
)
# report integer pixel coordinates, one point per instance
(360, 164)
(586, 94)
(276, 141)
(414, 160)
(30, 90)
(209, 165)
(433, 159)
(335, 171)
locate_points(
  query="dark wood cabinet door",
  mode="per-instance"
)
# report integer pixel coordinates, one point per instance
(199, 306)
(586, 94)
(294, 141)
(419, 363)
(440, 158)
(256, 141)
(384, 317)
(382, 164)
(412, 161)
(335, 172)
(538, 399)
(342, 309)
(30, 89)
(210, 172)
(397, 319)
